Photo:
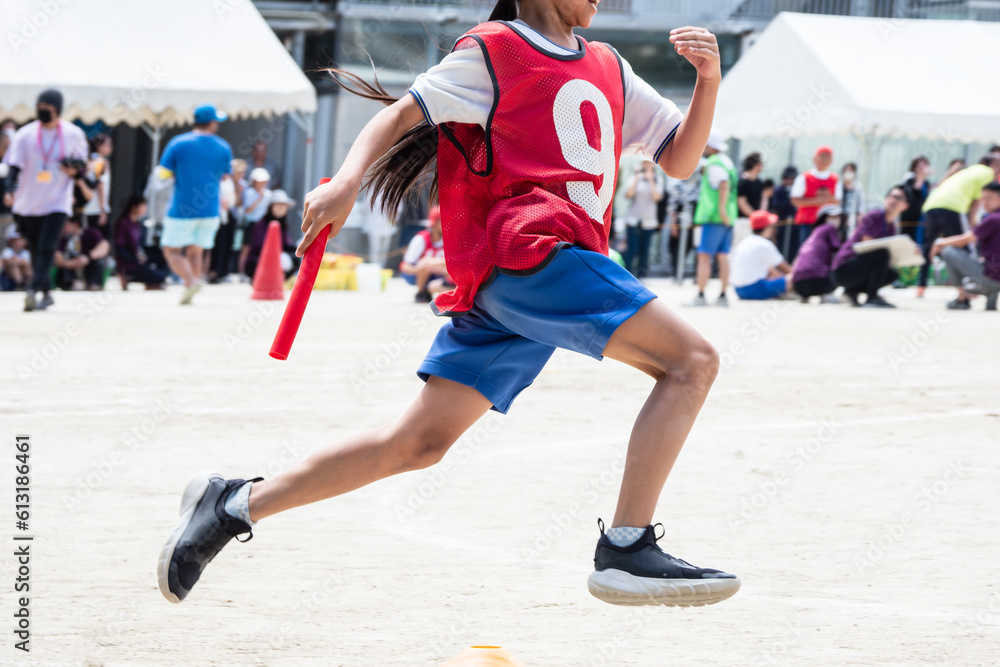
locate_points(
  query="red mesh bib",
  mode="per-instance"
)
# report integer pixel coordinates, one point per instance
(543, 172)
(806, 215)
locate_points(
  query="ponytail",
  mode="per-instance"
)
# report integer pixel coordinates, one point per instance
(407, 166)
(505, 10)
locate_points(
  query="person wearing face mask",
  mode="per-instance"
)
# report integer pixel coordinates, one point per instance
(811, 191)
(853, 197)
(43, 187)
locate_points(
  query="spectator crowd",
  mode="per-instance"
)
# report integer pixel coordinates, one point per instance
(815, 233)
(204, 215)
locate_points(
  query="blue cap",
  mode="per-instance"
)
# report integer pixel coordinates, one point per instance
(207, 113)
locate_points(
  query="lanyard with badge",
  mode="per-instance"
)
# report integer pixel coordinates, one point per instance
(45, 176)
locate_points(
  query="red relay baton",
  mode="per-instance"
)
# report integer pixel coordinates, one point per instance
(301, 291)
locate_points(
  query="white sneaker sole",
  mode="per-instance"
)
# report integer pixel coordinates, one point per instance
(193, 493)
(622, 588)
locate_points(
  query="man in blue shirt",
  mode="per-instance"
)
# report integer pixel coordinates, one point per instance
(197, 160)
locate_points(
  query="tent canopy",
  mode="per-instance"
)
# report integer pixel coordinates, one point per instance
(131, 62)
(809, 74)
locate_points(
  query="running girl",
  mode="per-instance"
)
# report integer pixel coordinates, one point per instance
(529, 122)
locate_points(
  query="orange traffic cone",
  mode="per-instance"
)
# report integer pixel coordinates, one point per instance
(484, 656)
(269, 279)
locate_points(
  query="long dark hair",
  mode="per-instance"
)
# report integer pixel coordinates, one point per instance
(412, 162)
(505, 10)
(409, 165)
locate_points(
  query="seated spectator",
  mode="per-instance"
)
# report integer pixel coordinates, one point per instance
(277, 211)
(971, 276)
(811, 275)
(869, 272)
(758, 269)
(80, 255)
(15, 260)
(131, 260)
(423, 264)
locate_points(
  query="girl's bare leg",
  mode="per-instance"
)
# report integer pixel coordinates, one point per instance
(684, 365)
(441, 413)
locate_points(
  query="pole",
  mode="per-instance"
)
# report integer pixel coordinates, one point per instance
(310, 133)
(867, 149)
(155, 134)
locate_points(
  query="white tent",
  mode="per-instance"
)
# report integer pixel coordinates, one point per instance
(147, 63)
(809, 74)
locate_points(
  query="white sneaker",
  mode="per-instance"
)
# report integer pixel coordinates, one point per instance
(699, 300)
(722, 301)
(190, 292)
(830, 298)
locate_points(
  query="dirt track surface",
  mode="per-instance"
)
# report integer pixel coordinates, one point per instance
(845, 466)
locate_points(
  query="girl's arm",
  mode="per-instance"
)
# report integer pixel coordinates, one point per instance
(699, 46)
(330, 204)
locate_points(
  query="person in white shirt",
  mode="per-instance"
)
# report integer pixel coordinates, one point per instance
(758, 270)
(16, 260)
(98, 208)
(644, 191)
(812, 190)
(423, 264)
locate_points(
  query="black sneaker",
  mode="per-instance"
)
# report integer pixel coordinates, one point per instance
(204, 528)
(642, 574)
(853, 298)
(877, 302)
(45, 302)
(423, 297)
(959, 304)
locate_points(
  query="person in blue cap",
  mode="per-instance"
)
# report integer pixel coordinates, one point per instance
(197, 160)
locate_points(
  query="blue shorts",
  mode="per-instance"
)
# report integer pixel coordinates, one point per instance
(763, 289)
(409, 278)
(716, 238)
(182, 232)
(576, 302)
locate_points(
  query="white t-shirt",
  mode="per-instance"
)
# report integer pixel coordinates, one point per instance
(751, 259)
(8, 253)
(799, 186)
(250, 195)
(459, 89)
(418, 245)
(93, 206)
(642, 208)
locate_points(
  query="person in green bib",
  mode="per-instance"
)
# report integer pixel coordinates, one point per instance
(715, 214)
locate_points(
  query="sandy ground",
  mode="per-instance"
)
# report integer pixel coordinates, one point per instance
(845, 467)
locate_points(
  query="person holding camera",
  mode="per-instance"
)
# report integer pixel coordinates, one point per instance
(44, 159)
(644, 191)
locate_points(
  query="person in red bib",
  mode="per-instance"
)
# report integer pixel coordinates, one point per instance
(811, 191)
(423, 263)
(529, 121)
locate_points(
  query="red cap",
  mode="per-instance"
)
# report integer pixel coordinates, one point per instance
(761, 219)
(434, 215)
(824, 149)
